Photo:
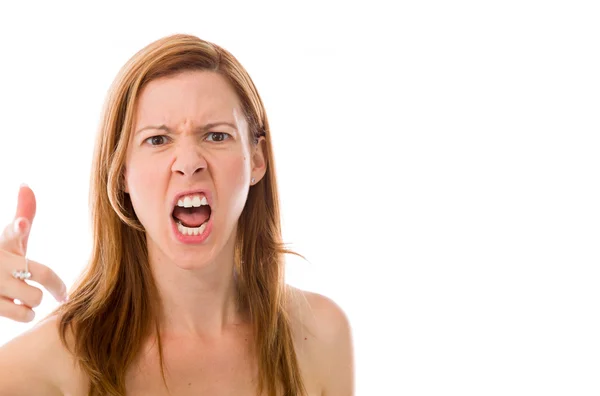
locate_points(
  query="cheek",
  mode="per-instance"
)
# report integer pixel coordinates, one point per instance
(138, 180)
(233, 178)
(239, 171)
(142, 184)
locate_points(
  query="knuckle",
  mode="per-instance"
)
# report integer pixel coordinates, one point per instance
(24, 315)
(36, 297)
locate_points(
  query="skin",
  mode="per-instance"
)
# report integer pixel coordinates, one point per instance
(205, 335)
(195, 281)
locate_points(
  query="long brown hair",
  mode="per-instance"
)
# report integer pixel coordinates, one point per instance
(112, 307)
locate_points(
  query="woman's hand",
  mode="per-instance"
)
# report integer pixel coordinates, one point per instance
(13, 249)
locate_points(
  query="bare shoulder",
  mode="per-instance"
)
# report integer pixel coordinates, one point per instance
(317, 313)
(35, 361)
(323, 336)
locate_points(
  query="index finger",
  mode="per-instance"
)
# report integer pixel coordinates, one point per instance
(49, 279)
(26, 205)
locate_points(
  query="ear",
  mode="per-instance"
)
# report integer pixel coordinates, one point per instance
(259, 160)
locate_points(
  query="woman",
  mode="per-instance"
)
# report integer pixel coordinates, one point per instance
(184, 293)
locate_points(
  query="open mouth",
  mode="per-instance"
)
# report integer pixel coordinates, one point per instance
(191, 215)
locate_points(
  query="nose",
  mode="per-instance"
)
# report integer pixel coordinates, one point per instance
(188, 159)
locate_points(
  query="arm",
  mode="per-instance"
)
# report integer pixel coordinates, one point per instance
(27, 362)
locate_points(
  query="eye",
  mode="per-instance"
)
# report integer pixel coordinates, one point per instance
(156, 140)
(218, 136)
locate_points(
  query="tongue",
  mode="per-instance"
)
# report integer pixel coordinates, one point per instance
(192, 217)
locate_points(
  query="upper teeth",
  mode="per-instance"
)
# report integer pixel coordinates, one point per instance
(190, 201)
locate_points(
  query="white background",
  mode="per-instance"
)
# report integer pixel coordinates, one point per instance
(438, 161)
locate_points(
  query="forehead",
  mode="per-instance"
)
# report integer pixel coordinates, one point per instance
(198, 96)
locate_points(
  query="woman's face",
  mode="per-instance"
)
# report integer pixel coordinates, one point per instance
(190, 147)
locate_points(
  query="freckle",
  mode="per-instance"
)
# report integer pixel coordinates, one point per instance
(190, 384)
(305, 338)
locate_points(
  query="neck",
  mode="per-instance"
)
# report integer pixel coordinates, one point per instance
(198, 300)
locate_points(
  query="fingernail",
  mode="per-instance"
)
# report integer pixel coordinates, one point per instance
(19, 225)
(30, 315)
(24, 185)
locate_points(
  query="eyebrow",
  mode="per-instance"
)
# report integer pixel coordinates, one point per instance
(202, 128)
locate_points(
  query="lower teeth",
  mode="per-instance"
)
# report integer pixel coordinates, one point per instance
(191, 230)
